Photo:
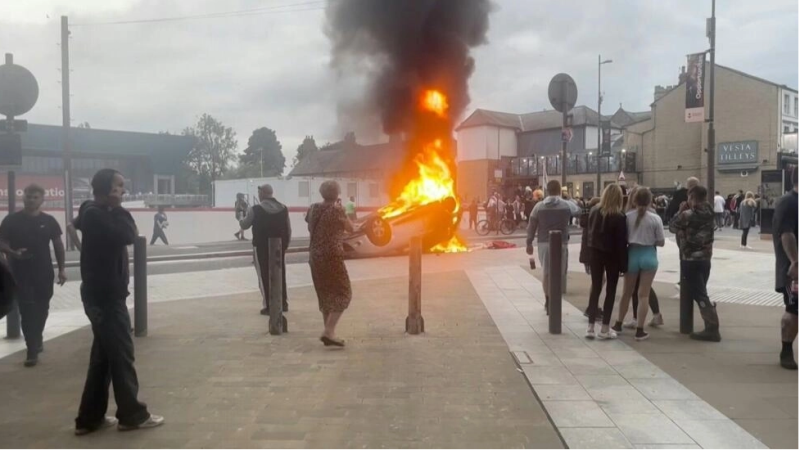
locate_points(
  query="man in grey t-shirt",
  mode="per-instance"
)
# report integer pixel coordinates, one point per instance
(551, 214)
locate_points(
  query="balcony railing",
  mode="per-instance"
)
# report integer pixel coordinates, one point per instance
(533, 166)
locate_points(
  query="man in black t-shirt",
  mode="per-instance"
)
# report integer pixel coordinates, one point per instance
(108, 229)
(25, 236)
(784, 239)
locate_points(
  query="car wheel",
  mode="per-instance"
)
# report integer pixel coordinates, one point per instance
(378, 231)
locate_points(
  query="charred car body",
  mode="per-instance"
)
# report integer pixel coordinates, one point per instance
(378, 236)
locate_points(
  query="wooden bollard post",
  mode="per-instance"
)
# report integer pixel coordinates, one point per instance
(277, 321)
(415, 324)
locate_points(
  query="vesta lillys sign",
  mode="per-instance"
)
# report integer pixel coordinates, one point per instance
(737, 152)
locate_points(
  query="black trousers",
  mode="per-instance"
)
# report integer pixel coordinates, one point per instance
(111, 362)
(652, 299)
(34, 297)
(745, 232)
(261, 259)
(602, 263)
(158, 233)
(695, 276)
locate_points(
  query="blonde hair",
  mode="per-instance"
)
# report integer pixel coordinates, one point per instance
(642, 200)
(538, 194)
(750, 199)
(611, 202)
(630, 206)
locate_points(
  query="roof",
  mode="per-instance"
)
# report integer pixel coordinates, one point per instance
(626, 118)
(163, 150)
(542, 120)
(340, 158)
(738, 72)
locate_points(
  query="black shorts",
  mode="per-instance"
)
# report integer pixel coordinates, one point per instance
(790, 301)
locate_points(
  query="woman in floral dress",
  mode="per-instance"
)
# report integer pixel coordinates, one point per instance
(327, 223)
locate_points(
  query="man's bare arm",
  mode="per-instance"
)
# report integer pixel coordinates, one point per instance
(789, 242)
(61, 254)
(73, 234)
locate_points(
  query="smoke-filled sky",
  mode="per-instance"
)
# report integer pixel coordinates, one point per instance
(272, 67)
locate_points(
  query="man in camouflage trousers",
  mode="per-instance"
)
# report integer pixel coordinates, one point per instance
(694, 230)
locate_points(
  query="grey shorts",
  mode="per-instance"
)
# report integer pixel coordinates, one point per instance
(544, 257)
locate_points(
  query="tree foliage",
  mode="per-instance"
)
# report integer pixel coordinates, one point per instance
(213, 150)
(308, 147)
(263, 156)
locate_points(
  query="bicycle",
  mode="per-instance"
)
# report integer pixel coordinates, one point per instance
(504, 225)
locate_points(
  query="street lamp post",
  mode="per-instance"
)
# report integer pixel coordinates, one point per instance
(599, 117)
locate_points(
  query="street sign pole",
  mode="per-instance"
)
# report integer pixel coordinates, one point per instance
(563, 93)
(65, 125)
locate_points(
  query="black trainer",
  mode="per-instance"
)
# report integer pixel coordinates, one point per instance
(31, 359)
(641, 334)
(617, 327)
(788, 362)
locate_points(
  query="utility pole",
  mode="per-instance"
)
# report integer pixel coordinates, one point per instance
(67, 160)
(711, 33)
(599, 190)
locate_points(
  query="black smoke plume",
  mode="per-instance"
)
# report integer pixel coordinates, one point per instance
(406, 46)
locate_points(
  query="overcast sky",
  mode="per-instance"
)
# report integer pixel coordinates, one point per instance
(271, 69)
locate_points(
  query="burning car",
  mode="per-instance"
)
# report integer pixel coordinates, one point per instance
(384, 235)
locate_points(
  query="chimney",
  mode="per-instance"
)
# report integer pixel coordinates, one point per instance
(660, 91)
(682, 75)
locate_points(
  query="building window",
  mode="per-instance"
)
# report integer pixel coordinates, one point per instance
(787, 129)
(373, 190)
(795, 106)
(786, 105)
(303, 187)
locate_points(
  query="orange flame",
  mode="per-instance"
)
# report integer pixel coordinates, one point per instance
(435, 102)
(434, 180)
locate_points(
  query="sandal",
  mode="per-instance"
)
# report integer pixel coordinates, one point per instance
(328, 342)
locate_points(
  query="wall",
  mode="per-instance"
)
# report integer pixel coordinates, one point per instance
(288, 191)
(674, 143)
(473, 178)
(787, 119)
(478, 143)
(745, 110)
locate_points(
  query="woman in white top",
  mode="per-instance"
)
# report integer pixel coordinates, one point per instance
(645, 233)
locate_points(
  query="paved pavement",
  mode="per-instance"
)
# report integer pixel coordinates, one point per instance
(511, 296)
(222, 381)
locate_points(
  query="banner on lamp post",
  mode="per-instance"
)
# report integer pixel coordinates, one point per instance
(695, 88)
(605, 149)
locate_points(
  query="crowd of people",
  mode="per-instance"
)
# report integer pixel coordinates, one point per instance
(622, 233)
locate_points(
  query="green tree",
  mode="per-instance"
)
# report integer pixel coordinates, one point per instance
(308, 147)
(213, 150)
(263, 156)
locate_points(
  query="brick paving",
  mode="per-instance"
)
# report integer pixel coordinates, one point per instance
(211, 368)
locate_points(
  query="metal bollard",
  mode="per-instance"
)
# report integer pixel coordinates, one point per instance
(277, 321)
(555, 282)
(415, 324)
(686, 308)
(140, 286)
(13, 321)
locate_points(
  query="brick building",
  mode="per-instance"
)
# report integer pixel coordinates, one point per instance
(751, 117)
(754, 120)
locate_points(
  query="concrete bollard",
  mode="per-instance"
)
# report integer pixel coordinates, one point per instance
(277, 321)
(686, 309)
(140, 286)
(555, 282)
(415, 324)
